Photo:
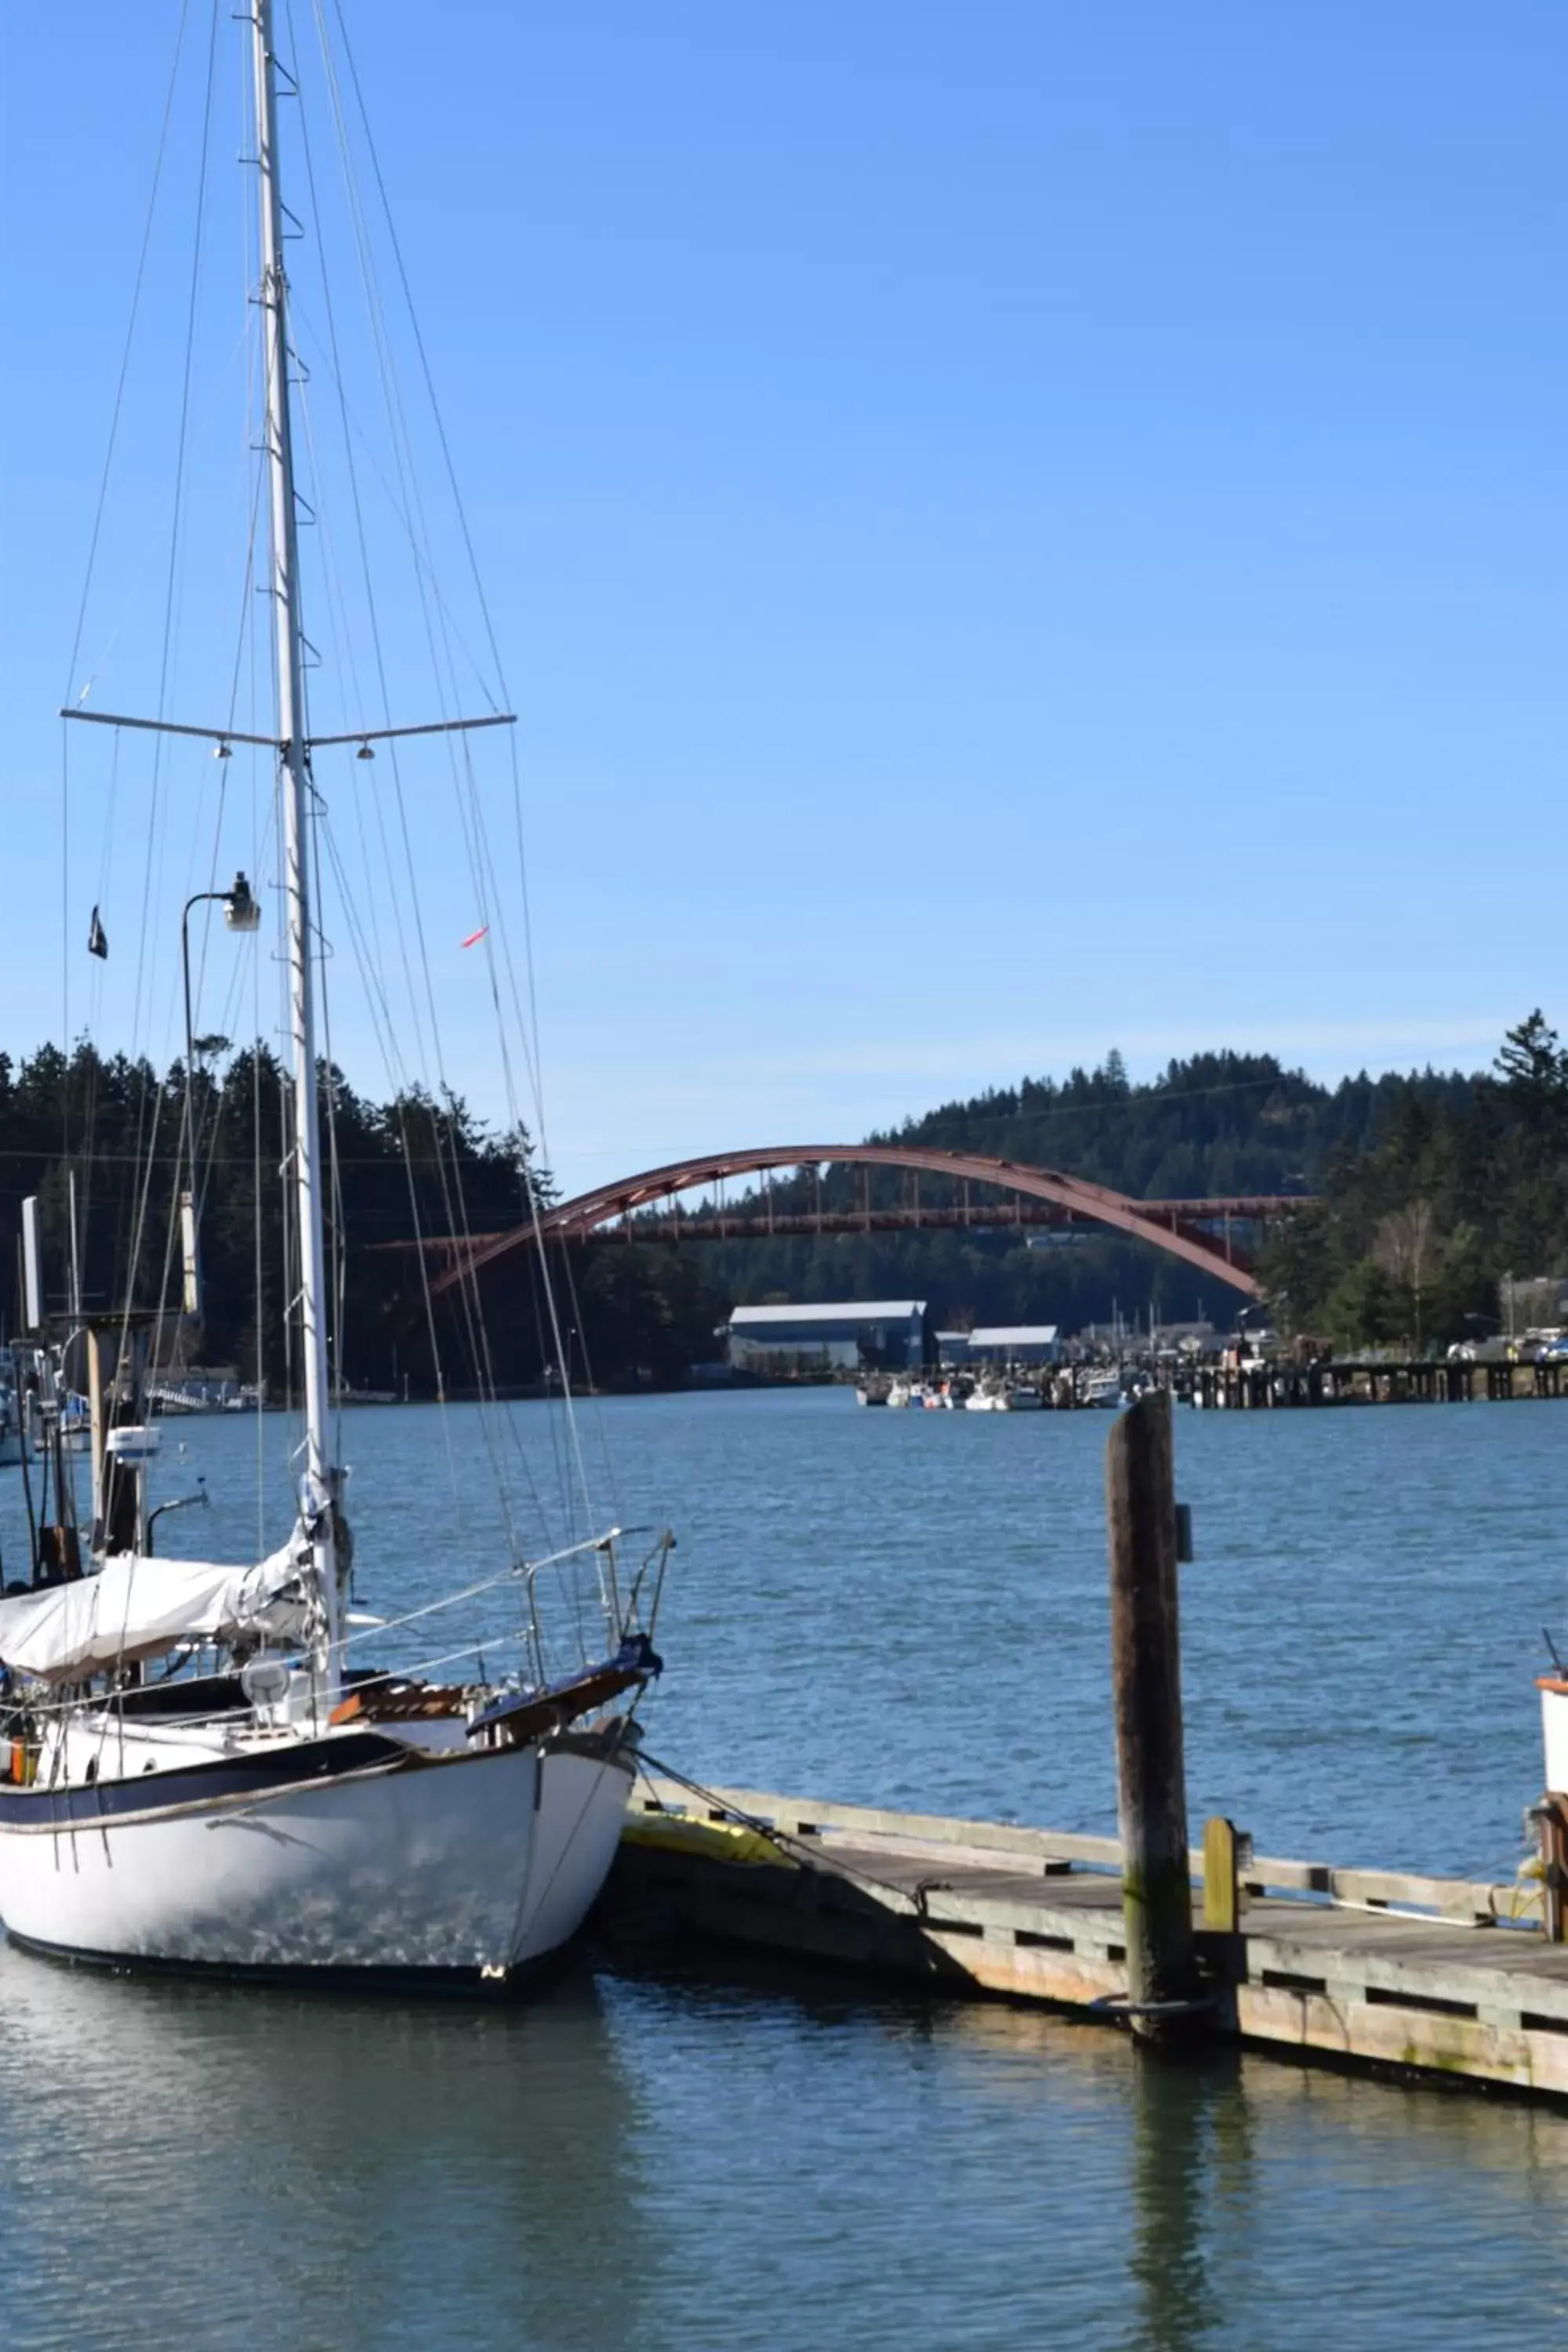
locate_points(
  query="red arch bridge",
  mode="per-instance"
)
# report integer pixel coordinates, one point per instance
(1198, 1231)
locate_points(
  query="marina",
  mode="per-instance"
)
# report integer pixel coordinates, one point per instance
(557, 1788)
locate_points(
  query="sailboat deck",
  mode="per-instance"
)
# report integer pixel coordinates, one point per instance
(1324, 1965)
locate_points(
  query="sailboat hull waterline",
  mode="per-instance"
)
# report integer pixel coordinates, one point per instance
(369, 1859)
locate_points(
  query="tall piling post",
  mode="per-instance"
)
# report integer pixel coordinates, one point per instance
(1145, 1658)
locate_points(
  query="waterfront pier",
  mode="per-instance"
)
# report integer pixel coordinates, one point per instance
(1462, 1978)
(1448, 1976)
(1371, 1380)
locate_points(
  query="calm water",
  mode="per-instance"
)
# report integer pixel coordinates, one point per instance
(888, 1606)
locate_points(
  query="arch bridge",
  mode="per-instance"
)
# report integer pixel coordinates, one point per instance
(1184, 1229)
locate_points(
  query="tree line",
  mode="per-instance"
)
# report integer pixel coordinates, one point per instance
(1440, 1199)
(1450, 1222)
(1432, 1191)
(398, 1174)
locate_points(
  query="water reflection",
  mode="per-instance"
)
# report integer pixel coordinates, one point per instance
(233, 2166)
(1169, 2267)
(715, 2163)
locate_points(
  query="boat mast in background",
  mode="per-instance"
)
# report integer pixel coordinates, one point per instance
(322, 1478)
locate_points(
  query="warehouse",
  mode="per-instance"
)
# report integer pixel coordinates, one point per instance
(852, 1335)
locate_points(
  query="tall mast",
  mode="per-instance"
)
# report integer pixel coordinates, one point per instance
(321, 1481)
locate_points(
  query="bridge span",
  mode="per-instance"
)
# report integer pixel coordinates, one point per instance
(1185, 1229)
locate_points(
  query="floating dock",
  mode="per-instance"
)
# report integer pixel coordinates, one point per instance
(1441, 1977)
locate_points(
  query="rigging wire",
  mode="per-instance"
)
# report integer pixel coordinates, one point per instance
(422, 1001)
(375, 997)
(72, 689)
(145, 1135)
(471, 812)
(529, 1026)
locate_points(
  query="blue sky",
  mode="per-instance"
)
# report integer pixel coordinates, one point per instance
(1011, 530)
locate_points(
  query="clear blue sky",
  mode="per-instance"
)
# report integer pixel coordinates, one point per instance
(1012, 529)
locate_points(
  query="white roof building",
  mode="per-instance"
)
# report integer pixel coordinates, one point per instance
(1018, 1343)
(844, 1310)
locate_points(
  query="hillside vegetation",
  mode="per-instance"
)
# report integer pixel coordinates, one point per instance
(1432, 1189)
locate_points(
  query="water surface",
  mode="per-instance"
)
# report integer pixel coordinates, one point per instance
(897, 1607)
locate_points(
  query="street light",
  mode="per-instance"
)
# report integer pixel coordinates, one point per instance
(241, 912)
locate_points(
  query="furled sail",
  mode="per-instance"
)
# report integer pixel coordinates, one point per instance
(137, 1607)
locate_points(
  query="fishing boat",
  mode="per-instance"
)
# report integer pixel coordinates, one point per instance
(206, 1767)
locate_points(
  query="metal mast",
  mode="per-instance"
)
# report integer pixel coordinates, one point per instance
(321, 1480)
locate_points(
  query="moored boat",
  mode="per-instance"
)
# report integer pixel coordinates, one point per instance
(205, 1766)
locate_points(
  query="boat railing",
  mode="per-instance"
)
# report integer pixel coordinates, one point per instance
(567, 1590)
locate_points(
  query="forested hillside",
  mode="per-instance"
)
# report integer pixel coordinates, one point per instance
(1216, 1123)
(1452, 1196)
(1431, 1189)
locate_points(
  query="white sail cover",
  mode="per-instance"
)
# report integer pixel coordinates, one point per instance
(137, 1607)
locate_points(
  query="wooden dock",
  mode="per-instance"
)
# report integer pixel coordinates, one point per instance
(1443, 1976)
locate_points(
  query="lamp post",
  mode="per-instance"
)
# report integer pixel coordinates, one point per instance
(241, 912)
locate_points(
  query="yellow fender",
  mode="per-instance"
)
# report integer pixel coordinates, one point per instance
(714, 1841)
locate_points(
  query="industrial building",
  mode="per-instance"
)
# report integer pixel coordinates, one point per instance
(887, 1335)
(1015, 1343)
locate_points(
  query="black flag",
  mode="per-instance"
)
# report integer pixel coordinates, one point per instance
(97, 938)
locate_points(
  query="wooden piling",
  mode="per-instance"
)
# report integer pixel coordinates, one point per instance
(1145, 1658)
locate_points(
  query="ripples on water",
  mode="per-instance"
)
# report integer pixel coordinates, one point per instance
(897, 1607)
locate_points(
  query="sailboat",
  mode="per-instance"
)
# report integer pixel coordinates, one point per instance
(196, 1776)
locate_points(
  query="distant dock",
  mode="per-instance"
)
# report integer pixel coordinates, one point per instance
(1271, 1384)
(1371, 1380)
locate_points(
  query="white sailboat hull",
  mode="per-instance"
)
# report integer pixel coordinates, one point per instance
(577, 1829)
(461, 1868)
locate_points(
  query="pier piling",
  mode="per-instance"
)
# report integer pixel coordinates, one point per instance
(1145, 1657)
